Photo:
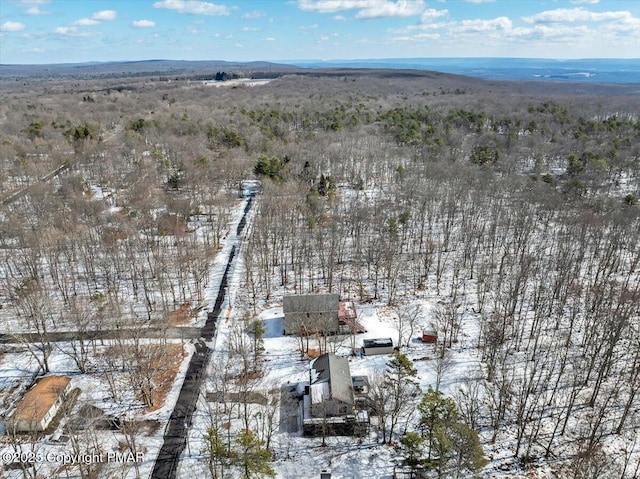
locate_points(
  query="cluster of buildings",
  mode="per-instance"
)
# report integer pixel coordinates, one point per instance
(334, 402)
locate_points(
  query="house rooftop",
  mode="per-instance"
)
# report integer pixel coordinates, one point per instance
(334, 370)
(310, 303)
(38, 400)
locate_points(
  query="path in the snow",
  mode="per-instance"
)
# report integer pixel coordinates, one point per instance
(175, 436)
(16, 195)
(175, 332)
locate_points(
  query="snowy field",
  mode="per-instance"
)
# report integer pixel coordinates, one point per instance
(108, 392)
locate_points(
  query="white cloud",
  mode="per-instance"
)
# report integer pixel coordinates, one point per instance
(105, 15)
(270, 39)
(554, 33)
(431, 14)
(479, 1)
(428, 36)
(427, 22)
(86, 22)
(193, 7)
(366, 8)
(453, 28)
(333, 6)
(403, 8)
(572, 32)
(419, 37)
(64, 30)
(34, 2)
(143, 23)
(36, 11)
(12, 27)
(70, 32)
(626, 25)
(592, 2)
(254, 14)
(249, 29)
(579, 14)
(500, 23)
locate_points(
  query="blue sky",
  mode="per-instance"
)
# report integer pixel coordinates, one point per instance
(55, 31)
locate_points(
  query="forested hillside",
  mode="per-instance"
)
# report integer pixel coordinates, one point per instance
(510, 209)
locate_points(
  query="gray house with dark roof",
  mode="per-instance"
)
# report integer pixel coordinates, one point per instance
(330, 388)
(329, 403)
(311, 313)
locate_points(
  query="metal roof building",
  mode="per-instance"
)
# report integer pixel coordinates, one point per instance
(311, 313)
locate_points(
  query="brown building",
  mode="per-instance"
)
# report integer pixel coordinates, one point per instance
(429, 336)
(39, 405)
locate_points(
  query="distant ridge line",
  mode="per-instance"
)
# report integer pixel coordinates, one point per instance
(593, 70)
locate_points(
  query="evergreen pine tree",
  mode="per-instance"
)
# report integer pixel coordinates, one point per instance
(251, 457)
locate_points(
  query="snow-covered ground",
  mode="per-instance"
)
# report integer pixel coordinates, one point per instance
(93, 389)
(283, 368)
(295, 456)
(96, 387)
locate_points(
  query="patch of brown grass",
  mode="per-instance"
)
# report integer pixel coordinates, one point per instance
(170, 224)
(183, 315)
(313, 353)
(166, 370)
(242, 378)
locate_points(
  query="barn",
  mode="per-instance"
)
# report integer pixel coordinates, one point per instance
(323, 314)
